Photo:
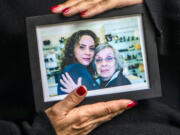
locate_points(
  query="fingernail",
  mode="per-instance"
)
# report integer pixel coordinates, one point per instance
(83, 13)
(81, 90)
(130, 105)
(54, 8)
(65, 10)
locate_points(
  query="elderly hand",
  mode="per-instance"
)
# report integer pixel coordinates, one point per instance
(89, 8)
(68, 119)
(68, 83)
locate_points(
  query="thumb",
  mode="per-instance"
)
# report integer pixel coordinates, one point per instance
(73, 99)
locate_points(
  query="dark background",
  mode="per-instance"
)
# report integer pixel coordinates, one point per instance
(16, 94)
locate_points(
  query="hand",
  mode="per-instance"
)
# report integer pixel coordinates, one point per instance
(89, 8)
(68, 119)
(68, 83)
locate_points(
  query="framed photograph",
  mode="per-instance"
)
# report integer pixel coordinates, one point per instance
(113, 54)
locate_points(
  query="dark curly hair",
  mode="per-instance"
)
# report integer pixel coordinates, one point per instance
(69, 57)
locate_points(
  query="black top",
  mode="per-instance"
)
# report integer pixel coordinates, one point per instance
(148, 118)
(75, 71)
(16, 98)
(41, 126)
(118, 79)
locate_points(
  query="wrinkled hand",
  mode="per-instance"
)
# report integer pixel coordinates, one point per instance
(70, 120)
(68, 83)
(89, 8)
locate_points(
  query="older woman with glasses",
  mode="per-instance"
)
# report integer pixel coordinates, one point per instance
(108, 64)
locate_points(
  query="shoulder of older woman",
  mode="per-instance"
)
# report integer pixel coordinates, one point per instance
(119, 80)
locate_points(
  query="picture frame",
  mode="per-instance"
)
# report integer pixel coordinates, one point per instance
(129, 31)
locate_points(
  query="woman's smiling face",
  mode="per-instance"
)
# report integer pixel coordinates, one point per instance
(84, 50)
(105, 63)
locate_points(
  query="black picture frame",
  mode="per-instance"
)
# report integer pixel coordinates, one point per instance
(154, 89)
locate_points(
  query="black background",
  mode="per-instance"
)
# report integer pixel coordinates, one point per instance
(16, 94)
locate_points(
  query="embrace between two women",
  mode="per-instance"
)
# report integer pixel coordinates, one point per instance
(88, 63)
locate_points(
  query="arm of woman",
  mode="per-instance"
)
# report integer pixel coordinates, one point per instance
(66, 118)
(89, 8)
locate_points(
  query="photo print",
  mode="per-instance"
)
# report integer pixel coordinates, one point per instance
(107, 55)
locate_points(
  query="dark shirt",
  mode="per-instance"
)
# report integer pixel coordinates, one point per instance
(41, 126)
(118, 79)
(76, 71)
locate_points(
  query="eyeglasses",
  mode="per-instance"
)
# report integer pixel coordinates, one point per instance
(107, 59)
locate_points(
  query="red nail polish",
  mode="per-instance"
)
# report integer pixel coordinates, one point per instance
(81, 90)
(54, 7)
(65, 10)
(130, 105)
(83, 13)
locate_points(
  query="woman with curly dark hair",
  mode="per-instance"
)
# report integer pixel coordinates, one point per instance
(78, 55)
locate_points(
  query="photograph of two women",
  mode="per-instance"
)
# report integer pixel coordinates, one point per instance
(105, 55)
